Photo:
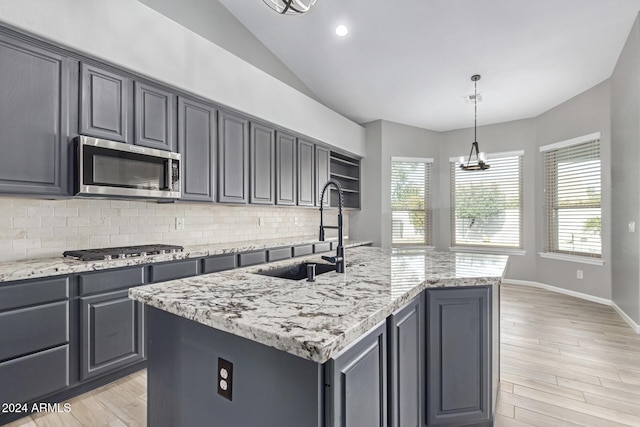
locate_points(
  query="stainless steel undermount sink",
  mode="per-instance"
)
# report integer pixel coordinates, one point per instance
(297, 271)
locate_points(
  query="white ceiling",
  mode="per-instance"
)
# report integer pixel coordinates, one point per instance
(410, 61)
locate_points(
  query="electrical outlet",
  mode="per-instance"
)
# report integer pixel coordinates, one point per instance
(632, 226)
(260, 221)
(295, 220)
(579, 274)
(225, 378)
(179, 223)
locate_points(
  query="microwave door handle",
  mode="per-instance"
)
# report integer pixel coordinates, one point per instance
(169, 175)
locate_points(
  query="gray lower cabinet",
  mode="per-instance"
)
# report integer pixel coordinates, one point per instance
(154, 117)
(111, 333)
(34, 119)
(356, 383)
(306, 173)
(104, 104)
(197, 143)
(459, 356)
(34, 339)
(286, 182)
(405, 332)
(263, 165)
(233, 158)
(322, 173)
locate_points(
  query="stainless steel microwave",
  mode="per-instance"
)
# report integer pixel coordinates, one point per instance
(113, 169)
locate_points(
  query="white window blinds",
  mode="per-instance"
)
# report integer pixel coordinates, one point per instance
(411, 202)
(573, 199)
(486, 206)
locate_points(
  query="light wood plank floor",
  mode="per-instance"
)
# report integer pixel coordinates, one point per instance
(564, 362)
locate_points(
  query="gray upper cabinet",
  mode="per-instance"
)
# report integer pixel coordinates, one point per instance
(286, 182)
(263, 164)
(356, 383)
(458, 356)
(104, 104)
(406, 365)
(154, 117)
(233, 158)
(196, 143)
(306, 173)
(34, 119)
(322, 173)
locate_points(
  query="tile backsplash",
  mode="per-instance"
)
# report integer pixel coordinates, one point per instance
(32, 228)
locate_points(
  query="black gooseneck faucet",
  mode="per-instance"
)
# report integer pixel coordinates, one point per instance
(338, 260)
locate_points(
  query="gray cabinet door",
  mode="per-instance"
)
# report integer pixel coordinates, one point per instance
(34, 119)
(196, 143)
(263, 164)
(405, 330)
(356, 391)
(458, 356)
(111, 333)
(306, 173)
(233, 158)
(104, 104)
(154, 117)
(322, 173)
(286, 183)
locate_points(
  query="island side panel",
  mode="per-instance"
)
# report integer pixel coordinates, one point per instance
(270, 387)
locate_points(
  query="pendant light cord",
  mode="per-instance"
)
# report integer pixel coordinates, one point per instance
(475, 111)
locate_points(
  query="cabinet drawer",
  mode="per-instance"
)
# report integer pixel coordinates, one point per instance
(21, 294)
(302, 250)
(174, 270)
(111, 280)
(252, 258)
(34, 328)
(219, 263)
(322, 247)
(278, 254)
(35, 375)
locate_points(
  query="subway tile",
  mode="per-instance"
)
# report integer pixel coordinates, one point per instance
(20, 244)
(26, 222)
(67, 212)
(39, 211)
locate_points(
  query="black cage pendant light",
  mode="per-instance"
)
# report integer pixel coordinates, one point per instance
(479, 164)
(291, 7)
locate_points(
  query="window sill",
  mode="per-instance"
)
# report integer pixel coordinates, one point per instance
(495, 251)
(572, 258)
(410, 247)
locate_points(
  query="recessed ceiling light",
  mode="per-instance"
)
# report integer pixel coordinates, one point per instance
(342, 30)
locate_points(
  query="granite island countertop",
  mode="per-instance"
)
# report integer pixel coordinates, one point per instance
(57, 266)
(317, 320)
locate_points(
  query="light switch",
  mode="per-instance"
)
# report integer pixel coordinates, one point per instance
(632, 226)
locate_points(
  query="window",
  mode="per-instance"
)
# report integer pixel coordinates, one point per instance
(411, 201)
(572, 192)
(486, 206)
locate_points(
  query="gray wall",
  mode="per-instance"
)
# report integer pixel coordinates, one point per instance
(625, 136)
(586, 113)
(386, 140)
(214, 22)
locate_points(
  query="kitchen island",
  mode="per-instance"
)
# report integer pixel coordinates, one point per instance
(315, 354)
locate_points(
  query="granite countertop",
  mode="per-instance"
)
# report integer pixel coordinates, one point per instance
(44, 267)
(317, 320)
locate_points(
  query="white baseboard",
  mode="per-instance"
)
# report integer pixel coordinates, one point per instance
(626, 318)
(580, 295)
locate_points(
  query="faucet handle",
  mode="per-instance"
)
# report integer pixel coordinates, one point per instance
(330, 259)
